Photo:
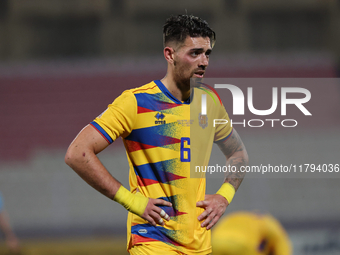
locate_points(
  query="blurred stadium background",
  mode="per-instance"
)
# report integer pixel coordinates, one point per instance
(63, 61)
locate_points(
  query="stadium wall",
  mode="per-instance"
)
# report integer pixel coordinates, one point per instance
(44, 106)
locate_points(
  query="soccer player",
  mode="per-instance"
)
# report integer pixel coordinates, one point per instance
(164, 136)
(251, 234)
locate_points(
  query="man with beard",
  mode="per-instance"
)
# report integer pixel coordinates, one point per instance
(168, 210)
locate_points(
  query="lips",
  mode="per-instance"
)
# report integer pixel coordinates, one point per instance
(199, 74)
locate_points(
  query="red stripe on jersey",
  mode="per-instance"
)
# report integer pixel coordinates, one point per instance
(142, 239)
(180, 213)
(136, 146)
(166, 105)
(142, 110)
(167, 140)
(145, 182)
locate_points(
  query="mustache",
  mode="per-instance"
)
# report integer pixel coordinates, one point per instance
(201, 68)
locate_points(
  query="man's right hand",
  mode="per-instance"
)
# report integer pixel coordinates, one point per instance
(143, 206)
(154, 214)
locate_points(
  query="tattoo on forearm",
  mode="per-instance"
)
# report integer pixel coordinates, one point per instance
(235, 178)
(237, 156)
(232, 145)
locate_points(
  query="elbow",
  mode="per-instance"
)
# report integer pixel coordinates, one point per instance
(70, 157)
(75, 156)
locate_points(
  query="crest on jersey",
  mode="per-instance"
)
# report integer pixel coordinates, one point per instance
(203, 120)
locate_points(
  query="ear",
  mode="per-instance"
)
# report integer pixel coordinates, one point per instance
(169, 54)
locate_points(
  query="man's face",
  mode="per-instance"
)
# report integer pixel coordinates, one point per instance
(190, 60)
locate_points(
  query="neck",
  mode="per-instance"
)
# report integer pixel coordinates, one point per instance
(175, 89)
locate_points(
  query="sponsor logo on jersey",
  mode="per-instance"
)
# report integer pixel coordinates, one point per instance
(160, 118)
(142, 231)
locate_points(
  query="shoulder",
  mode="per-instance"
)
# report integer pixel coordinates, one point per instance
(131, 96)
(149, 88)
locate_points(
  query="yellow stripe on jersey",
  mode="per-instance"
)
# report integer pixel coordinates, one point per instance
(139, 157)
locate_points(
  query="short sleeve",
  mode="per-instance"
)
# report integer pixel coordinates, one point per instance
(118, 119)
(222, 131)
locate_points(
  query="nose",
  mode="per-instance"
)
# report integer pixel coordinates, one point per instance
(204, 61)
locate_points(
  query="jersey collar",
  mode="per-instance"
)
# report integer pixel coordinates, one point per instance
(169, 95)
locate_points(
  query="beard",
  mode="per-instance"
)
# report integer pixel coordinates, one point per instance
(182, 77)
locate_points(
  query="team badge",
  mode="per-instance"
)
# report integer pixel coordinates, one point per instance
(203, 120)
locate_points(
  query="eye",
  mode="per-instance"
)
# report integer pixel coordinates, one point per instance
(208, 52)
(194, 53)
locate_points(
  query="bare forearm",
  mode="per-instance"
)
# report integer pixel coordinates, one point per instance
(81, 157)
(87, 165)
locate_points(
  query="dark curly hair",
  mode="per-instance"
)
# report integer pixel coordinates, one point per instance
(177, 28)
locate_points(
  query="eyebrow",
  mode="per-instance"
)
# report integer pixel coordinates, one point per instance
(200, 49)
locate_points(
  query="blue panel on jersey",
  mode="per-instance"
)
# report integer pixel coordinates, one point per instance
(157, 233)
(157, 171)
(154, 102)
(158, 136)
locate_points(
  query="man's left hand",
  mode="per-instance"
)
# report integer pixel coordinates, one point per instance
(214, 206)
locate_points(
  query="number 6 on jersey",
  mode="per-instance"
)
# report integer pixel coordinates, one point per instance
(185, 149)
